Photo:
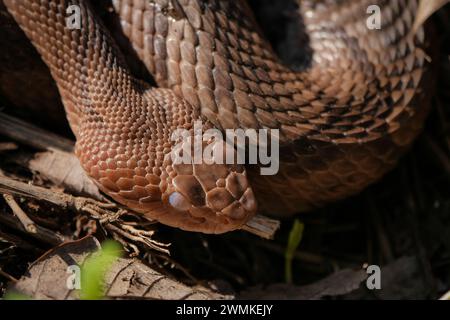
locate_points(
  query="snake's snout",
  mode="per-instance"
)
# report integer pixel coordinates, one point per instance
(213, 198)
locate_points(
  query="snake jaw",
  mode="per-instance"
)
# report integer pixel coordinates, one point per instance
(221, 211)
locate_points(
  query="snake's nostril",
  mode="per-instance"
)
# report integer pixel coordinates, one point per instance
(235, 211)
(248, 201)
(218, 199)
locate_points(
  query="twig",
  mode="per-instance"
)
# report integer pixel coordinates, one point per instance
(17, 242)
(7, 276)
(97, 210)
(158, 246)
(42, 234)
(17, 188)
(28, 134)
(7, 146)
(28, 224)
(262, 226)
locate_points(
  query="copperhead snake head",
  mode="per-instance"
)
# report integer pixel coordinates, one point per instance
(345, 117)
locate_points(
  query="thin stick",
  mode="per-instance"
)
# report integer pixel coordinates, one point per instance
(27, 223)
(31, 135)
(7, 146)
(150, 243)
(42, 234)
(7, 276)
(262, 226)
(17, 188)
(17, 242)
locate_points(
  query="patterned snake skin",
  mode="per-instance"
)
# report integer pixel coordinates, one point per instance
(344, 118)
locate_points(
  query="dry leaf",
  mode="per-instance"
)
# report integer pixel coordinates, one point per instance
(338, 284)
(128, 278)
(64, 169)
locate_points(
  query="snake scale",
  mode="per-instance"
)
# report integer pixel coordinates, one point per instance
(345, 117)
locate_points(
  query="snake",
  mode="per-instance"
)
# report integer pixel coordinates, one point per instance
(345, 115)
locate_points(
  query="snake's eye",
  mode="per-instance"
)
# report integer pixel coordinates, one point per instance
(179, 202)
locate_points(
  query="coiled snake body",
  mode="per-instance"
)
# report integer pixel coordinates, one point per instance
(344, 118)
